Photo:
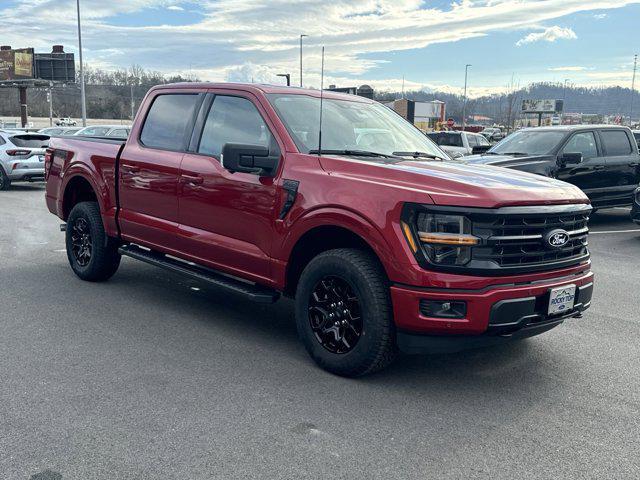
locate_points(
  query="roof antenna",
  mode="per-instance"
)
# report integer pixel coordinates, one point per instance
(321, 90)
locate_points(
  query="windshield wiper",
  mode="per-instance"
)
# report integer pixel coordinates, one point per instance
(351, 153)
(515, 154)
(417, 155)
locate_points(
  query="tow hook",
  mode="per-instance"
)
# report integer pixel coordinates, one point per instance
(63, 227)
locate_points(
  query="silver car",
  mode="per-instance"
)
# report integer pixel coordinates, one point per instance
(21, 157)
(115, 131)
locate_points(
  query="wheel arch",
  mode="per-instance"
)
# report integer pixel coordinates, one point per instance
(78, 188)
(329, 230)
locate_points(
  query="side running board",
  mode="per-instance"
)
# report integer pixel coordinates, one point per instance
(252, 291)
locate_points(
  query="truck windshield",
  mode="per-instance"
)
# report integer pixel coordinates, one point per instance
(528, 142)
(350, 126)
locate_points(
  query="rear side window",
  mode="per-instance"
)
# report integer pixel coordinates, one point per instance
(449, 139)
(232, 120)
(119, 132)
(473, 141)
(167, 121)
(616, 142)
(30, 141)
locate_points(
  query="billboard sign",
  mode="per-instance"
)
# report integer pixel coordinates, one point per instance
(542, 106)
(16, 64)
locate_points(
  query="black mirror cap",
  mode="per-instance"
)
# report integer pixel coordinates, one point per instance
(237, 157)
(479, 149)
(571, 158)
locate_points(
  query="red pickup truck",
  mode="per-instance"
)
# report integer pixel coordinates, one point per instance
(335, 201)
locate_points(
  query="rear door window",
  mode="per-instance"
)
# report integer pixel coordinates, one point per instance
(616, 142)
(168, 120)
(233, 120)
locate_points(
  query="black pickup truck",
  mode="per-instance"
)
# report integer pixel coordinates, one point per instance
(602, 160)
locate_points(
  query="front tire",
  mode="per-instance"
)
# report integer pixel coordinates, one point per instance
(93, 256)
(343, 313)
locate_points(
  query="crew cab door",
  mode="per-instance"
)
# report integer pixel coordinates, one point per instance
(227, 219)
(588, 175)
(622, 170)
(150, 170)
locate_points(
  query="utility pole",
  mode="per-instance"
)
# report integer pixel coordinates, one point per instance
(133, 104)
(633, 89)
(301, 36)
(464, 101)
(83, 99)
(564, 90)
(51, 104)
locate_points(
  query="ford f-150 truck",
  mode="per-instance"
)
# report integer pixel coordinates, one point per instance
(333, 200)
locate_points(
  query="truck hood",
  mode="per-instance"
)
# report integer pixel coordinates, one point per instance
(458, 184)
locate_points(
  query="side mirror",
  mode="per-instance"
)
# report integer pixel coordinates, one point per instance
(237, 157)
(570, 159)
(478, 149)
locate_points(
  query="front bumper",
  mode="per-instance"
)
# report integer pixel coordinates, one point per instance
(494, 314)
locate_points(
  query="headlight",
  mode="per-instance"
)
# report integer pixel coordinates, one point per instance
(444, 239)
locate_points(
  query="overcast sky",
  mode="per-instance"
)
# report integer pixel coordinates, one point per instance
(367, 41)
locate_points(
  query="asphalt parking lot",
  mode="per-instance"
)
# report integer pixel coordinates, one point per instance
(151, 376)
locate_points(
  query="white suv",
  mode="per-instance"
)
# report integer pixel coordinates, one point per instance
(459, 143)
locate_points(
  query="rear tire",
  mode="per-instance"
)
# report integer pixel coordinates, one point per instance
(5, 181)
(93, 255)
(343, 313)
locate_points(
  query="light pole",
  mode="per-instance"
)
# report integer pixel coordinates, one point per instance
(83, 99)
(564, 90)
(633, 89)
(301, 57)
(464, 101)
(287, 76)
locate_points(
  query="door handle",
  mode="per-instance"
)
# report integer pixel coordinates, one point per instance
(193, 179)
(634, 164)
(599, 167)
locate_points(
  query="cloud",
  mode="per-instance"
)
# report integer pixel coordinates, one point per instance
(600, 16)
(567, 69)
(550, 34)
(228, 35)
(175, 8)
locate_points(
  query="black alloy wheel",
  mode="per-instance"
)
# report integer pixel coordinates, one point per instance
(81, 241)
(334, 315)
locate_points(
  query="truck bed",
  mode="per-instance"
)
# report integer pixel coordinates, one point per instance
(95, 157)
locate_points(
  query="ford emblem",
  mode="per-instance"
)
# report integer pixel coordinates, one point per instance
(556, 238)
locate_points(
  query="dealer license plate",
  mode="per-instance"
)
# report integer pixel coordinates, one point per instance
(561, 299)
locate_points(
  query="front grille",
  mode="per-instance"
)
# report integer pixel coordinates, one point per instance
(514, 237)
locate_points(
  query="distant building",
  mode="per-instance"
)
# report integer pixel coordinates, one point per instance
(362, 91)
(424, 115)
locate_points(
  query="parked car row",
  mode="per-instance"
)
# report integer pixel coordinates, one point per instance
(114, 131)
